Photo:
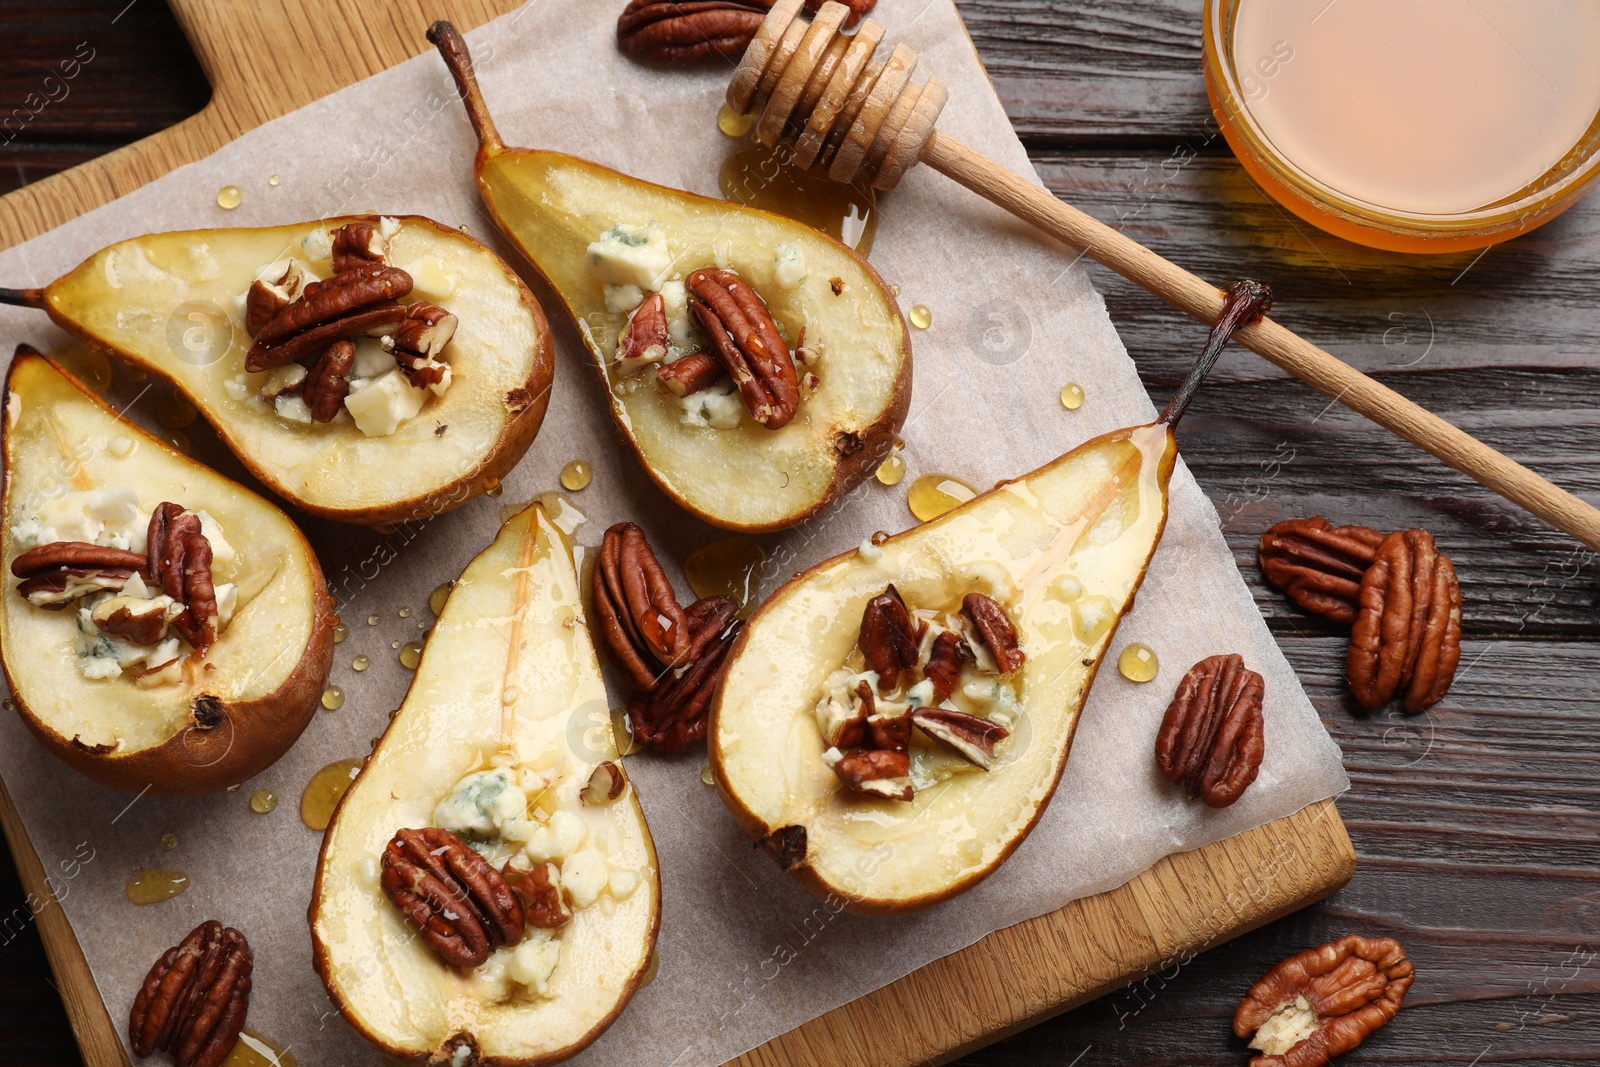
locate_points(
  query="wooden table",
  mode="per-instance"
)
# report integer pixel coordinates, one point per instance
(1476, 826)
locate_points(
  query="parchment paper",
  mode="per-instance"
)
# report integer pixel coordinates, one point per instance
(745, 953)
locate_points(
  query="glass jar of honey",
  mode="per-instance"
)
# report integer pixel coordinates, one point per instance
(1414, 126)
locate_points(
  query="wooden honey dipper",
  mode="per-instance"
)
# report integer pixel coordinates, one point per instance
(820, 92)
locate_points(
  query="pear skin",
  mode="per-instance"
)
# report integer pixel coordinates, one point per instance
(237, 708)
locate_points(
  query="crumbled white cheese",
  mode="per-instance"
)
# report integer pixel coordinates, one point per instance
(718, 406)
(317, 246)
(680, 327)
(480, 804)
(788, 265)
(383, 403)
(222, 553)
(227, 603)
(107, 517)
(534, 961)
(291, 407)
(921, 694)
(281, 380)
(869, 552)
(622, 883)
(371, 359)
(388, 226)
(584, 876)
(555, 840)
(237, 387)
(630, 255)
(620, 298)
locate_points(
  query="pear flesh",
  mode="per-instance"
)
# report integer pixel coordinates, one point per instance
(507, 702)
(1063, 550)
(206, 721)
(174, 304)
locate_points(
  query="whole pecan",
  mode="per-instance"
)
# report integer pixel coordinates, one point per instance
(459, 904)
(56, 574)
(641, 622)
(1211, 738)
(194, 1000)
(664, 31)
(1406, 639)
(993, 626)
(888, 639)
(1323, 1002)
(688, 375)
(539, 891)
(1319, 565)
(357, 244)
(385, 315)
(971, 736)
(672, 715)
(745, 338)
(180, 559)
(327, 381)
(945, 660)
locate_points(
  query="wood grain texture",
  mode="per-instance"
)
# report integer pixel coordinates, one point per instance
(1477, 825)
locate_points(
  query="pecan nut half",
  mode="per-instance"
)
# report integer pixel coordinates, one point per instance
(334, 298)
(1323, 1002)
(357, 244)
(972, 737)
(539, 892)
(1211, 738)
(646, 337)
(265, 298)
(380, 317)
(180, 559)
(672, 716)
(460, 905)
(664, 31)
(1406, 640)
(945, 660)
(689, 375)
(745, 338)
(641, 622)
(327, 382)
(56, 574)
(1319, 565)
(873, 751)
(194, 1000)
(888, 638)
(994, 628)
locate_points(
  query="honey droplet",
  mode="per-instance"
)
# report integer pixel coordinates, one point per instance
(934, 494)
(404, 613)
(253, 1050)
(275, 180)
(493, 489)
(372, 620)
(263, 801)
(411, 655)
(1072, 396)
(340, 632)
(122, 447)
(651, 968)
(154, 885)
(895, 289)
(178, 440)
(229, 197)
(732, 124)
(89, 365)
(177, 413)
(577, 475)
(622, 732)
(333, 698)
(762, 177)
(323, 793)
(921, 316)
(169, 841)
(892, 469)
(879, 537)
(730, 567)
(706, 776)
(360, 663)
(10, 705)
(437, 598)
(394, 644)
(1138, 663)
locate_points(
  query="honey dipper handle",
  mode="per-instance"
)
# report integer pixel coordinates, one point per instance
(1266, 338)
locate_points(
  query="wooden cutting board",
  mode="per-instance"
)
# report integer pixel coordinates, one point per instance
(1004, 983)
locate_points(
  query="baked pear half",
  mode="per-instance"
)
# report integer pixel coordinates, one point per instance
(503, 751)
(894, 720)
(129, 684)
(757, 367)
(368, 369)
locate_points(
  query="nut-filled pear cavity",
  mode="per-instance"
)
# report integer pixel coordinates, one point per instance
(167, 629)
(758, 368)
(893, 721)
(368, 369)
(487, 891)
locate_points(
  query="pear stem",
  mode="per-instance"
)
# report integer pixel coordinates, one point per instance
(453, 48)
(24, 298)
(1242, 303)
